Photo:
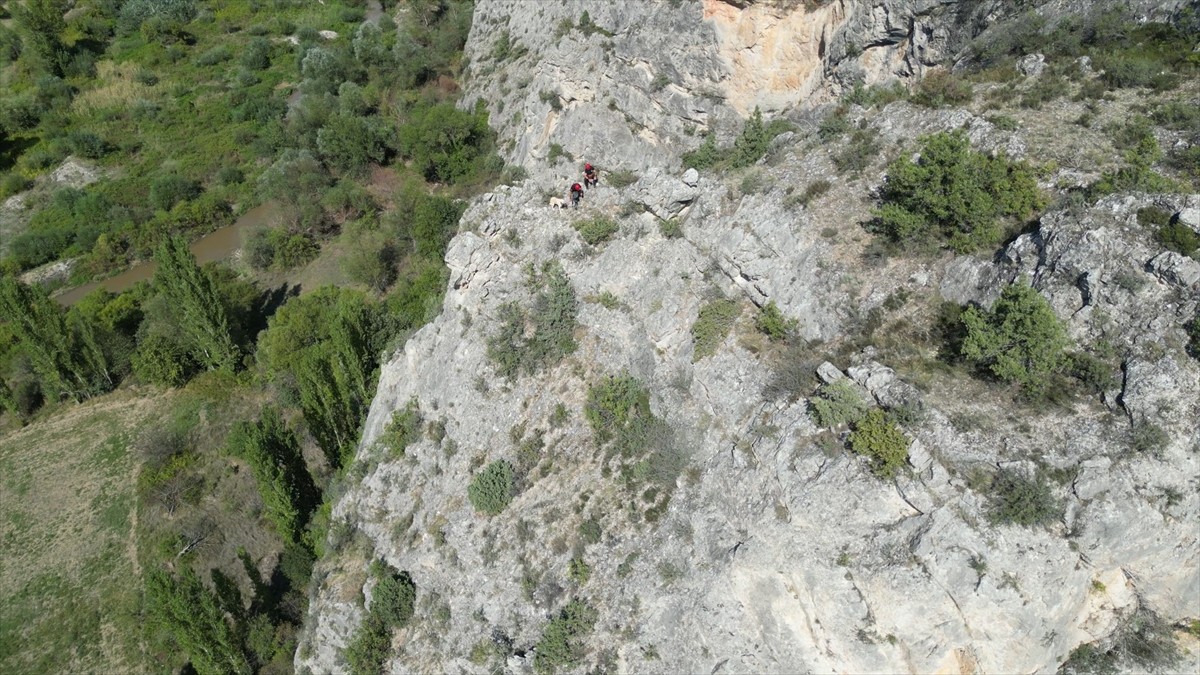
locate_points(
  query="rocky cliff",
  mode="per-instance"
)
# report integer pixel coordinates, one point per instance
(769, 548)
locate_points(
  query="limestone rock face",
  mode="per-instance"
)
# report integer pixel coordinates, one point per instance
(776, 548)
(635, 84)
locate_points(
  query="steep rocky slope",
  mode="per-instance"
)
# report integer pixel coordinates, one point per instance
(771, 549)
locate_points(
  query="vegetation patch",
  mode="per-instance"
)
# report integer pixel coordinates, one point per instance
(749, 147)
(403, 429)
(392, 606)
(713, 324)
(618, 411)
(876, 437)
(772, 323)
(954, 196)
(1019, 340)
(530, 340)
(492, 489)
(596, 230)
(562, 642)
(1142, 642)
(836, 404)
(1017, 499)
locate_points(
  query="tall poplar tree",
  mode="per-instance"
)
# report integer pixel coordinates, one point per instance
(195, 618)
(284, 483)
(68, 358)
(198, 307)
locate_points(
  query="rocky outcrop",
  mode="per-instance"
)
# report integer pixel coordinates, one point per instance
(776, 550)
(773, 555)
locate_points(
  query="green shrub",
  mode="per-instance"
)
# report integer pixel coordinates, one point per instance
(167, 191)
(1137, 174)
(590, 531)
(403, 429)
(618, 411)
(834, 125)
(449, 145)
(877, 95)
(1016, 499)
(837, 403)
(621, 178)
(1047, 88)
(579, 571)
(1153, 216)
(860, 151)
(1192, 328)
(941, 89)
(954, 195)
(792, 374)
(1142, 642)
(704, 157)
(162, 361)
(1147, 437)
(772, 323)
(596, 230)
(12, 183)
(712, 326)
(214, 56)
(552, 99)
(1095, 375)
(516, 349)
(394, 597)
(876, 437)
(492, 489)
(1178, 237)
(1018, 340)
(618, 403)
(87, 144)
(1003, 122)
(561, 644)
(671, 229)
(752, 143)
(811, 191)
(392, 606)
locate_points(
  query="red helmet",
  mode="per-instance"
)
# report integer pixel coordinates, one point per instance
(576, 187)
(587, 167)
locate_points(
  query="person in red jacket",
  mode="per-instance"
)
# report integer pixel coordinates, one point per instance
(590, 178)
(576, 194)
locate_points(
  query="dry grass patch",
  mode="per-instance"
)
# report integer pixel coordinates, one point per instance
(67, 569)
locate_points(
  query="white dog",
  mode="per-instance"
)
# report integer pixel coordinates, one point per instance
(558, 203)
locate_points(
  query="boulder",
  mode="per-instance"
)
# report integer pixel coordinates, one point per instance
(1031, 65)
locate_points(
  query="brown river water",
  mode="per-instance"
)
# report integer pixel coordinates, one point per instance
(216, 245)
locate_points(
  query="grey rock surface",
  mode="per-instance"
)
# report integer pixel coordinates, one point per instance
(778, 550)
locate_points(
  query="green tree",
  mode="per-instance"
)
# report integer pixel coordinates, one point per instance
(954, 195)
(198, 308)
(752, 144)
(195, 619)
(41, 26)
(349, 142)
(1018, 340)
(492, 489)
(876, 437)
(446, 144)
(327, 344)
(67, 356)
(284, 483)
(561, 644)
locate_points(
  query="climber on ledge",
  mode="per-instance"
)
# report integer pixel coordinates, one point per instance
(590, 179)
(576, 193)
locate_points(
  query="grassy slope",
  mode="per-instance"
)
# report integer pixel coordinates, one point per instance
(67, 523)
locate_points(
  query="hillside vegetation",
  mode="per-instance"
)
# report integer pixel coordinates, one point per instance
(214, 500)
